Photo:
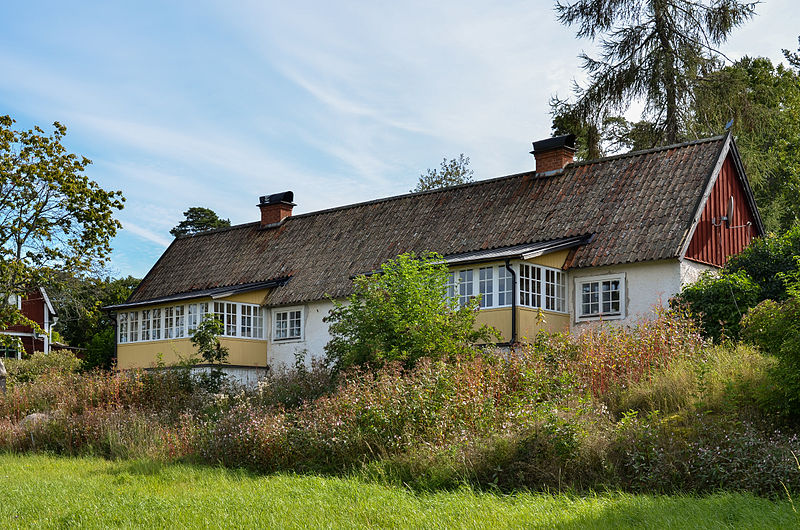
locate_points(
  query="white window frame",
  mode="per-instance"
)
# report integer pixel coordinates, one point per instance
(578, 298)
(274, 324)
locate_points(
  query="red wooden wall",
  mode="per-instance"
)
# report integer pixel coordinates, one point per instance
(714, 244)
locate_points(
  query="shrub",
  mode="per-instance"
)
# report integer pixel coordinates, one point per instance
(605, 356)
(38, 364)
(775, 328)
(100, 350)
(767, 259)
(402, 313)
(720, 300)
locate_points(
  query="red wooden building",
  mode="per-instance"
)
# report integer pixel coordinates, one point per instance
(37, 307)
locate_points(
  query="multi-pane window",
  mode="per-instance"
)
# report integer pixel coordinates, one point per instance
(225, 312)
(133, 326)
(122, 322)
(288, 325)
(600, 297)
(252, 321)
(169, 322)
(505, 286)
(451, 285)
(145, 332)
(175, 322)
(530, 285)
(180, 322)
(465, 287)
(155, 328)
(486, 286)
(555, 290)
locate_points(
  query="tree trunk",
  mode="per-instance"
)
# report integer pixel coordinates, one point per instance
(3, 375)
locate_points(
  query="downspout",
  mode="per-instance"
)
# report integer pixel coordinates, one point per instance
(113, 318)
(510, 269)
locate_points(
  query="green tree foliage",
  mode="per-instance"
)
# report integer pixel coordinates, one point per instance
(198, 219)
(720, 301)
(763, 101)
(402, 313)
(52, 217)
(450, 173)
(765, 270)
(206, 339)
(81, 320)
(775, 328)
(651, 51)
(770, 261)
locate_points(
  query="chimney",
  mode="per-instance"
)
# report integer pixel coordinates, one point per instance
(554, 153)
(275, 208)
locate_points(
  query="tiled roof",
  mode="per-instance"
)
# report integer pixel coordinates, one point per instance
(639, 206)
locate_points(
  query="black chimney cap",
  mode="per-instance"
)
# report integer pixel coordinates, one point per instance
(567, 140)
(287, 197)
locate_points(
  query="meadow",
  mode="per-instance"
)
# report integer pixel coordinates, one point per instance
(42, 491)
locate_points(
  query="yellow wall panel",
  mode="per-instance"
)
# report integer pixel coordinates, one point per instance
(554, 259)
(243, 352)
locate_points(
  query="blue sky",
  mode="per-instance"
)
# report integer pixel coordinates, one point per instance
(212, 104)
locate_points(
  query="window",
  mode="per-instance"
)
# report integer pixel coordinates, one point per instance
(155, 328)
(530, 285)
(505, 286)
(192, 318)
(486, 286)
(122, 323)
(133, 326)
(555, 290)
(451, 285)
(465, 288)
(169, 322)
(252, 321)
(600, 297)
(288, 324)
(145, 331)
(226, 312)
(180, 322)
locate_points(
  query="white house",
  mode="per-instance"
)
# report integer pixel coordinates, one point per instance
(575, 242)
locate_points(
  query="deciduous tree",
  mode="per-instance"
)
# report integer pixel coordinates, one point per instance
(52, 216)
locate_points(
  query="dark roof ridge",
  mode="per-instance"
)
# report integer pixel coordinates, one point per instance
(218, 230)
(649, 151)
(412, 194)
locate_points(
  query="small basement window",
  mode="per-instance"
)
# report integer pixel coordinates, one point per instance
(600, 297)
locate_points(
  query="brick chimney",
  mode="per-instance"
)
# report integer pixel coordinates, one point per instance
(554, 153)
(275, 208)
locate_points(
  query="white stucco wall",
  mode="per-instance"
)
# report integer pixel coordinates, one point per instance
(312, 343)
(691, 271)
(646, 284)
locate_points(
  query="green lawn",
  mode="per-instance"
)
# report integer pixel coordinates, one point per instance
(44, 491)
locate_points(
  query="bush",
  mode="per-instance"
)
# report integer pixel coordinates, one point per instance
(720, 300)
(39, 364)
(100, 350)
(767, 260)
(775, 328)
(402, 313)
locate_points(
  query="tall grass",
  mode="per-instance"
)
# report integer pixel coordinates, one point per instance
(667, 413)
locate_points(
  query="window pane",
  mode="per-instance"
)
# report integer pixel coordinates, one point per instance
(133, 326)
(504, 286)
(122, 322)
(530, 285)
(294, 324)
(180, 322)
(465, 288)
(145, 330)
(281, 325)
(486, 275)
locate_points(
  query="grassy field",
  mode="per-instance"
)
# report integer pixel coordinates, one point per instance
(53, 492)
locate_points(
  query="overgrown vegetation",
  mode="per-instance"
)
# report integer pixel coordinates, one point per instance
(766, 270)
(402, 313)
(648, 408)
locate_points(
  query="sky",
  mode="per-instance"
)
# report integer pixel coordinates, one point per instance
(201, 103)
